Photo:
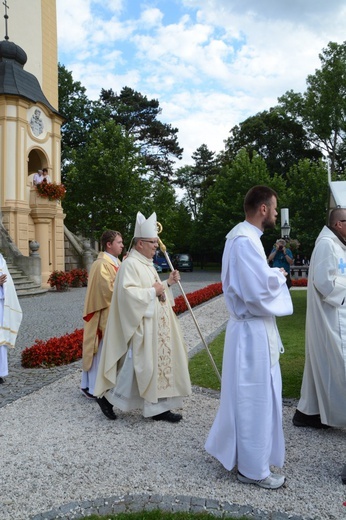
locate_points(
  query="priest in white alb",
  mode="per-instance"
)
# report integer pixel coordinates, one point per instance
(10, 316)
(144, 363)
(247, 431)
(323, 394)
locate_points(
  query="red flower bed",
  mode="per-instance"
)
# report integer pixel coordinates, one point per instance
(54, 352)
(197, 297)
(301, 282)
(68, 348)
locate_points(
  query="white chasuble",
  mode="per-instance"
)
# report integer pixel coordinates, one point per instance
(139, 321)
(324, 380)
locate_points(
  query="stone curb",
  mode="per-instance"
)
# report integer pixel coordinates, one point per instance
(167, 503)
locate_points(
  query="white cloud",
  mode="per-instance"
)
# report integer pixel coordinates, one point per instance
(151, 18)
(210, 63)
(308, 11)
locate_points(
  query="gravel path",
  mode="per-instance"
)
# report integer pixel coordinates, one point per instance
(60, 457)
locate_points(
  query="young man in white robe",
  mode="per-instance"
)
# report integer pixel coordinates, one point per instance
(10, 317)
(323, 392)
(144, 363)
(247, 430)
(96, 307)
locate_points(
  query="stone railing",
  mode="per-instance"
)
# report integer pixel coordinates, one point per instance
(299, 271)
(78, 252)
(30, 265)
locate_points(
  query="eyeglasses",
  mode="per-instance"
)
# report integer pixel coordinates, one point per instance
(151, 241)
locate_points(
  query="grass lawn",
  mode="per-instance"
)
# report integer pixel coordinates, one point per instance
(292, 331)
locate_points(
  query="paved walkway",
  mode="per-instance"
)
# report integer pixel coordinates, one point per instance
(55, 314)
(52, 314)
(59, 313)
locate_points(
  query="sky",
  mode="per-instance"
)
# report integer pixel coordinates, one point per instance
(210, 63)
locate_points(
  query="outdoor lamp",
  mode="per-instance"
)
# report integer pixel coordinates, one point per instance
(285, 231)
(285, 226)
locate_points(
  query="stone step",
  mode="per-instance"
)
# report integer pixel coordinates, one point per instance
(17, 276)
(34, 291)
(24, 286)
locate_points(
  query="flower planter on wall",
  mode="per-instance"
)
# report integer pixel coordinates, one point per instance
(40, 206)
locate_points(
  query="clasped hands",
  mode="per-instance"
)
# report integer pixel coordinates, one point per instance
(174, 278)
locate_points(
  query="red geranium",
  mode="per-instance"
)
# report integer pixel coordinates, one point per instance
(197, 297)
(51, 190)
(54, 352)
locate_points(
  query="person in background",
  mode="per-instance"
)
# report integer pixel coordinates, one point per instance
(144, 363)
(323, 393)
(46, 177)
(10, 317)
(247, 430)
(298, 260)
(281, 256)
(96, 306)
(38, 178)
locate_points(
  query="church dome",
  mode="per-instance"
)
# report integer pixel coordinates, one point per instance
(15, 80)
(11, 51)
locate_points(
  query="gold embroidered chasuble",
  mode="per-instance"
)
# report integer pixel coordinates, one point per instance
(96, 306)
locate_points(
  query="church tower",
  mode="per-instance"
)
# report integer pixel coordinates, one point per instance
(30, 129)
(33, 26)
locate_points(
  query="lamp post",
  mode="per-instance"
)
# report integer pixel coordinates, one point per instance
(285, 226)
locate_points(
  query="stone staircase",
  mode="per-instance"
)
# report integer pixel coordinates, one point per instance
(24, 286)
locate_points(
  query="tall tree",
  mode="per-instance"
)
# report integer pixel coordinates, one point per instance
(181, 231)
(322, 108)
(82, 115)
(275, 136)
(223, 207)
(307, 200)
(105, 183)
(158, 141)
(197, 179)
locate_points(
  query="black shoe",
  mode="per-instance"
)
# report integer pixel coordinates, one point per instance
(300, 419)
(107, 408)
(2, 380)
(87, 394)
(168, 416)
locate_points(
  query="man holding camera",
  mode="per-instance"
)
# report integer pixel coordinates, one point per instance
(281, 256)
